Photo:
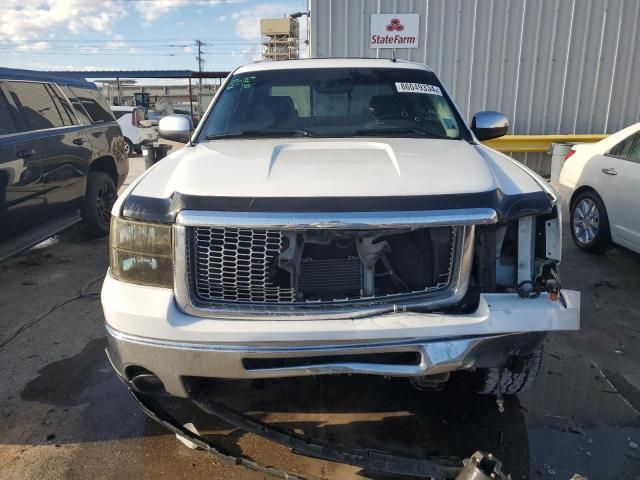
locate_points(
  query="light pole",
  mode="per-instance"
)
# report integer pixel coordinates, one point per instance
(298, 15)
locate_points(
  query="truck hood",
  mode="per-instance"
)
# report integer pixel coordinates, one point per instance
(334, 168)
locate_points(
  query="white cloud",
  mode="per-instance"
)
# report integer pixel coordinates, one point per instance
(250, 54)
(33, 46)
(24, 20)
(117, 42)
(151, 11)
(59, 67)
(247, 24)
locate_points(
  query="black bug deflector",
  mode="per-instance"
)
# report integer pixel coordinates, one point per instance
(164, 210)
(373, 460)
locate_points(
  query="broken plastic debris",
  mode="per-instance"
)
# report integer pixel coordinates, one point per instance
(633, 445)
(191, 427)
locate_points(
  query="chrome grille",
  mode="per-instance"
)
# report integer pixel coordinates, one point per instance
(236, 264)
(233, 264)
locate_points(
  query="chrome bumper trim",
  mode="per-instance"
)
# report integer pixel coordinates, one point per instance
(171, 361)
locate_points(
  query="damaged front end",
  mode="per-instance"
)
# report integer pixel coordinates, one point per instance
(479, 466)
(293, 266)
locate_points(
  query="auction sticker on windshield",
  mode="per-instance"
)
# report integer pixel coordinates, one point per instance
(405, 87)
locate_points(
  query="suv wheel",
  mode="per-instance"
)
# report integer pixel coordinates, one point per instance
(517, 376)
(589, 222)
(98, 201)
(128, 147)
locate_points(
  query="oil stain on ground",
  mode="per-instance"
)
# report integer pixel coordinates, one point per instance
(62, 383)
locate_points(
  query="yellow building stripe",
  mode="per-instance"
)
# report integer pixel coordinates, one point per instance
(537, 143)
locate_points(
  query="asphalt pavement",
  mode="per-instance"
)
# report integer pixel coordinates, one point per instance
(64, 414)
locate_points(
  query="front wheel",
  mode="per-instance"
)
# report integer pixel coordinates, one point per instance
(589, 222)
(517, 376)
(128, 147)
(98, 201)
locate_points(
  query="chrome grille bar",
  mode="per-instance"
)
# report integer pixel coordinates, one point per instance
(338, 220)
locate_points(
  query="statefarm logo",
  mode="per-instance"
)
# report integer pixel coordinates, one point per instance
(395, 25)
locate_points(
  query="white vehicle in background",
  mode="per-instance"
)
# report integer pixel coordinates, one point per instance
(599, 185)
(136, 127)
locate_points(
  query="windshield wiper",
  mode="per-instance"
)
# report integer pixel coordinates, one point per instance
(263, 133)
(401, 130)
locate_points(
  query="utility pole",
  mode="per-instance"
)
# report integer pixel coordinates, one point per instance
(199, 44)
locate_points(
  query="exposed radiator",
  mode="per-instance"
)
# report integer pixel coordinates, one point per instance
(342, 275)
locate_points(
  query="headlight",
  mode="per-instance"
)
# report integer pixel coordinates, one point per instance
(140, 252)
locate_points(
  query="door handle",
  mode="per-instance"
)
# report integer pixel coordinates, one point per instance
(26, 153)
(78, 141)
(609, 171)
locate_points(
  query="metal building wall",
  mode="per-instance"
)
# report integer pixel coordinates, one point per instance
(551, 66)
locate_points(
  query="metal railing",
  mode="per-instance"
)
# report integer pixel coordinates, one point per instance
(537, 143)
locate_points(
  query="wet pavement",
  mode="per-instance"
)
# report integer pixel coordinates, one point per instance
(64, 414)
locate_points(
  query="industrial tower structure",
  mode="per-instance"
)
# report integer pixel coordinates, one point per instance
(279, 38)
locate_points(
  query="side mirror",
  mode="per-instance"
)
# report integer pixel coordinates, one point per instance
(175, 127)
(487, 125)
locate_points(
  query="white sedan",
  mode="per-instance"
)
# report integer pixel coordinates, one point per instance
(136, 127)
(600, 186)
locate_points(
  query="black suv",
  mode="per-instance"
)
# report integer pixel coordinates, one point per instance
(62, 157)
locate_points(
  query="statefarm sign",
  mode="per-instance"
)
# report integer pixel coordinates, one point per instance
(395, 31)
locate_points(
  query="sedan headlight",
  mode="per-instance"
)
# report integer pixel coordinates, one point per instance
(141, 252)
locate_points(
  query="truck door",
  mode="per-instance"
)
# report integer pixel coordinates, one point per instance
(22, 196)
(65, 152)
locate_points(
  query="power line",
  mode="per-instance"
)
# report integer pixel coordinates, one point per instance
(128, 40)
(120, 54)
(117, 49)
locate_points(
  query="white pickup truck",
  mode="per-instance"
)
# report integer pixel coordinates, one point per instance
(335, 216)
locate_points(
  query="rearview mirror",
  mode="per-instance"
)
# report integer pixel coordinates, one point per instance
(488, 125)
(175, 127)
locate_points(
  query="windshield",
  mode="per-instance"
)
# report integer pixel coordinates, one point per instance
(338, 102)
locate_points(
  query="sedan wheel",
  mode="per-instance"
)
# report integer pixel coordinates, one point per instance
(586, 221)
(589, 222)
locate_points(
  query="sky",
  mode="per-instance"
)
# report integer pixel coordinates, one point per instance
(135, 34)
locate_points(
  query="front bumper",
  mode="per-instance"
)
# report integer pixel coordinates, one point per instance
(147, 330)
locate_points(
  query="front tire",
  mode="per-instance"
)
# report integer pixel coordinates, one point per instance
(128, 147)
(589, 222)
(99, 199)
(515, 377)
